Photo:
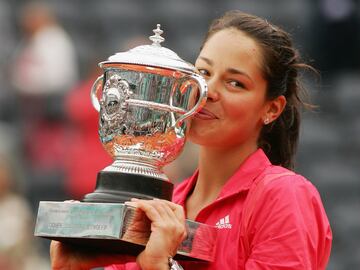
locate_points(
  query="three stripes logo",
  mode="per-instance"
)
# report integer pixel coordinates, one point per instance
(224, 223)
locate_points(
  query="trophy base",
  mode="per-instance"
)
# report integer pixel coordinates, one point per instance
(117, 187)
(105, 245)
(115, 228)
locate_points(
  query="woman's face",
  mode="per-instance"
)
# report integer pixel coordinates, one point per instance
(236, 106)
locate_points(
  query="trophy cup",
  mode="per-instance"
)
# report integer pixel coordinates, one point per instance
(144, 98)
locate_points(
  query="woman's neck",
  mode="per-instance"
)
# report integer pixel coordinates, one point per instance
(216, 166)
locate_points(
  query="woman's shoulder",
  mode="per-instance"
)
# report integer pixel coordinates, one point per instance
(278, 181)
(282, 195)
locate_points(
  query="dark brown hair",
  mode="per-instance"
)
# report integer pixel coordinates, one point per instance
(281, 64)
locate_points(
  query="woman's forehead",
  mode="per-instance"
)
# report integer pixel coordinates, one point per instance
(234, 48)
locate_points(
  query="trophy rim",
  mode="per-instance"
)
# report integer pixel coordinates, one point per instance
(149, 68)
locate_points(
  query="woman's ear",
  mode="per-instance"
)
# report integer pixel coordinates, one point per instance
(274, 108)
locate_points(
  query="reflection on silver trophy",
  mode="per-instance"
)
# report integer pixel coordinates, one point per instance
(145, 98)
(147, 95)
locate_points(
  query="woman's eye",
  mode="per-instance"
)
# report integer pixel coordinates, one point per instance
(203, 72)
(237, 84)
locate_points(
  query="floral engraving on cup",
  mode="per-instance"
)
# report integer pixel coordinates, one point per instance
(113, 107)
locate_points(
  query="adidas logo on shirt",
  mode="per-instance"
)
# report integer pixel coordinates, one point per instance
(224, 223)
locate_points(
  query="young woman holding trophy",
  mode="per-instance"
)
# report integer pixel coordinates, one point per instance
(268, 216)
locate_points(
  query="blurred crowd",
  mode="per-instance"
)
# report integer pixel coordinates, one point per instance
(49, 145)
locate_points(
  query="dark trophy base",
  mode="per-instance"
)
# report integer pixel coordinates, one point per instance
(103, 222)
(121, 187)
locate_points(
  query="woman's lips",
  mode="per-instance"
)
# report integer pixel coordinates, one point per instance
(204, 114)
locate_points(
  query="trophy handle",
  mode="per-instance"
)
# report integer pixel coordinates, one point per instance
(94, 91)
(203, 89)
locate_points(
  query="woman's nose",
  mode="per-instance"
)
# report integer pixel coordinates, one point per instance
(213, 87)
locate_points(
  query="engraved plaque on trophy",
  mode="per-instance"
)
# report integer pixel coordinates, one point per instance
(145, 98)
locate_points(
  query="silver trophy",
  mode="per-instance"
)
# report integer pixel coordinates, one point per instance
(145, 98)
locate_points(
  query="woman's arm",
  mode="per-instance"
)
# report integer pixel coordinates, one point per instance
(289, 228)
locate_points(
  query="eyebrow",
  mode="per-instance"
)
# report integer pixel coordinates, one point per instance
(207, 60)
(230, 70)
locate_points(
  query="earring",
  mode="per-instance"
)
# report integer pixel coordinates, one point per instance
(266, 121)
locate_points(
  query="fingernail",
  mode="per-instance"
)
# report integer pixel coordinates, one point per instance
(130, 203)
(134, 199)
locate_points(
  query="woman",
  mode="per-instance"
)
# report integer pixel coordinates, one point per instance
(247, 132)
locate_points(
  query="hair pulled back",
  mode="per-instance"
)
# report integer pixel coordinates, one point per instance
(280, 67)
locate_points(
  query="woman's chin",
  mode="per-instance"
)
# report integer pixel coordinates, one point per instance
(206, 140)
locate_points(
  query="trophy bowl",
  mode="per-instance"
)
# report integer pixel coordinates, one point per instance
(144, 99)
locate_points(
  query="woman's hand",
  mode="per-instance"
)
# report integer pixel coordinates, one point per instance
(167, 232)
(63, 257)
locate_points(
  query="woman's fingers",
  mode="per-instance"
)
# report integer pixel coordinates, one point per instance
(177, 209)
(167, 231)
(159, 209)
(164, 215)
(178, 212)
(151, 212)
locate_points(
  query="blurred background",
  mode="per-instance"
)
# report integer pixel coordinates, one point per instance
(49, 147)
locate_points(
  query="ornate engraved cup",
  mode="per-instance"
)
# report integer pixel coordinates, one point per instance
(144, 99)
